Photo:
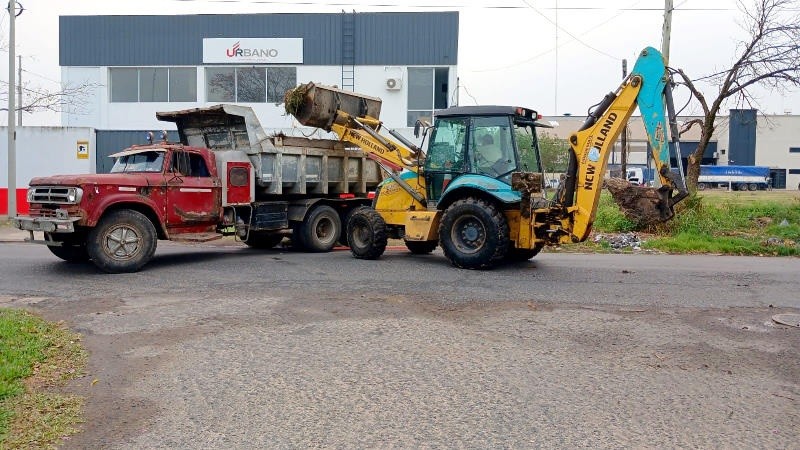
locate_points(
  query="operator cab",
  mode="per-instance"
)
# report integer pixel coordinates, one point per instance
(490, 141)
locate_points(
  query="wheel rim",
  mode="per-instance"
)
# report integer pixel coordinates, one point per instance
(360, 235)
(325, 230)
(468, 234)
(122, 242)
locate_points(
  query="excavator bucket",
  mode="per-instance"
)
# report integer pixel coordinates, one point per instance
(315, 105)
(642, 205)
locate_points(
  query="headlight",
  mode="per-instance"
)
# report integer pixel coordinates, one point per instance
(31, 194)
(74, 195)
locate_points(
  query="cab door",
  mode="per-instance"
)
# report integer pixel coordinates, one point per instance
(193, 195)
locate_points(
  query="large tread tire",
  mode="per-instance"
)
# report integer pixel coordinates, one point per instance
(262, 240)
(70, 253)
(474, 234)
(522, 254)
(421, 247)
(122, 242)
(321, 229)
(366, 233)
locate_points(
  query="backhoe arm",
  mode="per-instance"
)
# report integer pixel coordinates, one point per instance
(592, 145)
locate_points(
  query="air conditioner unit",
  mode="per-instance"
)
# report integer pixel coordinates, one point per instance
(394, 84)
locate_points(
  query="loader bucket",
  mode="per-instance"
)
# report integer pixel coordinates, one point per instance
(315, 105)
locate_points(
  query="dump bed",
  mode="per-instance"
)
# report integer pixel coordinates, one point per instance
(283, 165)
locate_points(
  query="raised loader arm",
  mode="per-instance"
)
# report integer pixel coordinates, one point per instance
(648, 87)
(354, 118)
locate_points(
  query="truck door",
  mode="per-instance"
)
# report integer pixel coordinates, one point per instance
(193, 195)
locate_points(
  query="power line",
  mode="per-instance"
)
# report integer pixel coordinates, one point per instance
(428, 5)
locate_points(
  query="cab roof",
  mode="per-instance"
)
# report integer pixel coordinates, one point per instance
(482, 110)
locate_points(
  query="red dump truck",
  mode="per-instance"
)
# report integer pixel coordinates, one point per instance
(226, 177)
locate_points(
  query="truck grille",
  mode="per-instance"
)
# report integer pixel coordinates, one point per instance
(51, 194)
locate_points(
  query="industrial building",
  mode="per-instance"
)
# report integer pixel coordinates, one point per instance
(138, 65)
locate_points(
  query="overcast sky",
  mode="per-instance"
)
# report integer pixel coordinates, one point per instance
(554, 56)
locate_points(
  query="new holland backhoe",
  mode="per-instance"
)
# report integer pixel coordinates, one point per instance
(476, 192)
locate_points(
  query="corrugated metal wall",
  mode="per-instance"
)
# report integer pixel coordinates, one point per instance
(112, 141)
(427, 38)
(742, 137)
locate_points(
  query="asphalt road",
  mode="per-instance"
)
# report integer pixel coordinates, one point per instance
(220, 346)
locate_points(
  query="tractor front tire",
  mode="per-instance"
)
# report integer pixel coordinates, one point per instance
(366, 234)
(474, 234)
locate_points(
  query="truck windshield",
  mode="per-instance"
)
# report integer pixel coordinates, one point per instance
(139, 162)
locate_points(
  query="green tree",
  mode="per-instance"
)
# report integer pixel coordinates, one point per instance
(554, 150)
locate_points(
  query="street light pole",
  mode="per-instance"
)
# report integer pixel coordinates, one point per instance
(12, 132)
(666, 30)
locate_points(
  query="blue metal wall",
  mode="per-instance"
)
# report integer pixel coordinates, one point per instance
(108, 142)
(427, 38)
(742, 137)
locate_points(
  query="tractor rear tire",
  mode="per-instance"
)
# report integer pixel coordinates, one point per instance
(366, 234)
(421, 247)
(474, 234)
(321, 229)
(122, 242)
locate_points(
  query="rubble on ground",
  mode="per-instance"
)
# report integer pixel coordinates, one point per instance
(621, 241)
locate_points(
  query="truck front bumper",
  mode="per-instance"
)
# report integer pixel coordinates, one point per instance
(45, 224)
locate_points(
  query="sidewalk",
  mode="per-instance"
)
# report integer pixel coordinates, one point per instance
(9, 233)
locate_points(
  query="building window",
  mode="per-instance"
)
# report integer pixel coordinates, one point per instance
(182, 84)
(249, 84)
(280, 80)
(153, 84)
(427, 92)
(125, 85)
(794, 171)
(794, 149)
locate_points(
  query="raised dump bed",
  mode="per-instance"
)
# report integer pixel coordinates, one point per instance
(282, 164)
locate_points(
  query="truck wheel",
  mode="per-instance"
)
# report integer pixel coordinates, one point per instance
(366, 233)
(321, 229)
(523, 254)
(69, 252)
(752, 187)
(473, 234)
(421, 247)
(701, 186)
(263, 240)
(123, 241)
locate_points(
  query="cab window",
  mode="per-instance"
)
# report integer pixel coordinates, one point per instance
(188, 164)
(492, 146)
(446, 148)
(139, 162)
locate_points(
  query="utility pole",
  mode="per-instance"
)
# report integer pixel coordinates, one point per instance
(665, 32)
(624, 152)
(19, 91)
(12, 132)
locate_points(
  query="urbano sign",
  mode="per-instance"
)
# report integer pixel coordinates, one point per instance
(253, 50)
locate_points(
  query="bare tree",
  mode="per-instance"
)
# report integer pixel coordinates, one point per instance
(770, 58)
(38, 99)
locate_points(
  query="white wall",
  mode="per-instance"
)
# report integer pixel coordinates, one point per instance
(774, 136)
(43, 151)
(99, 113)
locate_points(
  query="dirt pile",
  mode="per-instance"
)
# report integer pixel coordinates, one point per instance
(642, 205)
